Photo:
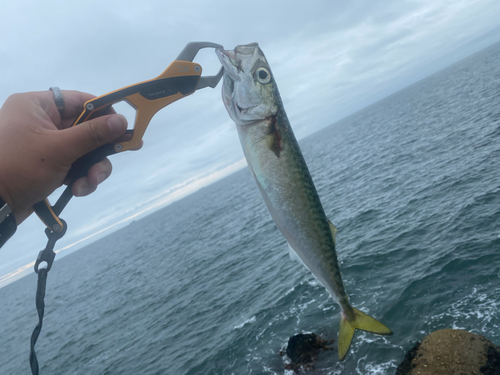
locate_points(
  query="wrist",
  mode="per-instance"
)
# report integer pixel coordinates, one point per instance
(18, 199)
(5, 197)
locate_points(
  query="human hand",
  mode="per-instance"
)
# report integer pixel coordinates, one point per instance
(38, 147)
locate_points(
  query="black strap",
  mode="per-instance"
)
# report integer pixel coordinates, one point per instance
(8, 223)
(45, 256)
(40, 307)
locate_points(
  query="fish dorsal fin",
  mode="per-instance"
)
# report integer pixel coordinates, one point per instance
(333, 229)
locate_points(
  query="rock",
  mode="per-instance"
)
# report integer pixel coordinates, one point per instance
(303, 349)
(452, 351)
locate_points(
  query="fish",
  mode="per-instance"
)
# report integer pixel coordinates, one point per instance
(252, 99)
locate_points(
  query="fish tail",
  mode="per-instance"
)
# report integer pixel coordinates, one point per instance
(363, 322)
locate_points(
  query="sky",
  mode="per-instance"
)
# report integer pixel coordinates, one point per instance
(330, 59)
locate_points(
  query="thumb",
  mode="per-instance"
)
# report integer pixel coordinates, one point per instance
(87, 136)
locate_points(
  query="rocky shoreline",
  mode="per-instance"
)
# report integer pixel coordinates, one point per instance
(452, 351)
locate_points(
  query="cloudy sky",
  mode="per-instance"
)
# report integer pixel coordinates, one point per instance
(330, 58)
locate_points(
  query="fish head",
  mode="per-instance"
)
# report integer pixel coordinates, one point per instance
(248, 89)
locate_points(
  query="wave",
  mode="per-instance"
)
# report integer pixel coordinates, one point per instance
(251, 320)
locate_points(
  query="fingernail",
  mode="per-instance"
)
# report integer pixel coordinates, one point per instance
(117, 124)
(101, 177)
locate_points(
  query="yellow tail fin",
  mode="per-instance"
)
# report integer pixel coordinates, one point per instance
(363, 322)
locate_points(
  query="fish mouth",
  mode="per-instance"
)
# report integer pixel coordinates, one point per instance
(242, 110)
(227, 59)
(244, 49)
(246, 115)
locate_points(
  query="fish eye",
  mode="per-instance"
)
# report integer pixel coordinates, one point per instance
(263, 75)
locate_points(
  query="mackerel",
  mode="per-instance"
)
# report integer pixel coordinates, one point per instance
(275, 160)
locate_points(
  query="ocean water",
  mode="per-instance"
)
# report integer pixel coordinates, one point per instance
(206, 286)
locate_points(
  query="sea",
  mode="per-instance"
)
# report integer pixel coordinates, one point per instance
(206, 286)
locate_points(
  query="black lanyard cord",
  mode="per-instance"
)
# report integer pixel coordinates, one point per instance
(42, 268)
(40, 307)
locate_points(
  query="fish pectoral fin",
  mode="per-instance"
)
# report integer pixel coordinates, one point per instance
(273, 143)
(363, 322)
(333, 229)
(273, 138)
(293, 255)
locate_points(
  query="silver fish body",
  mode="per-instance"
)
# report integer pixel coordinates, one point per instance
(275, 160)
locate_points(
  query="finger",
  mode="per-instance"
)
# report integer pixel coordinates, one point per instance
(99, 172)
(96, 175)
(74, 105)
(74, 102)
(86, 137)
(82, 187)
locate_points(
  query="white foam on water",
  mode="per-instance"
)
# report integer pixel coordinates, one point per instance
(268, 370)
(376, 368)
(253, 319)
(305, 305)
(313, 282)
(477, 306)
(370, 368)
(290, 291)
